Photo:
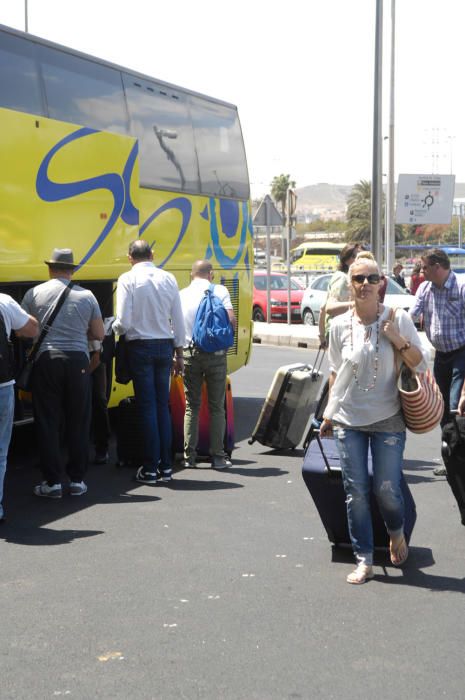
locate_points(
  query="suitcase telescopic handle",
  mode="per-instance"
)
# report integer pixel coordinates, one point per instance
(454, 413)
(325, 459)
(318, 362)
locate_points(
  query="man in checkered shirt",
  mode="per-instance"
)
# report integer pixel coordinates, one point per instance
(441, 300)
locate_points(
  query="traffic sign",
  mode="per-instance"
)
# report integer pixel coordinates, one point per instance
(267, 214)
(425, 199)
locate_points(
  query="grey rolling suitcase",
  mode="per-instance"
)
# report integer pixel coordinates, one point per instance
(288, 405)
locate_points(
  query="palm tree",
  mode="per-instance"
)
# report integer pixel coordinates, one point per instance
(279, 187)
(359, 212)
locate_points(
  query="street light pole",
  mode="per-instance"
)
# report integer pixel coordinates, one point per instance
(26, 25)
(460, 224)
(377, 173)
(390, 241)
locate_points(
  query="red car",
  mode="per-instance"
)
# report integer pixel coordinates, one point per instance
(278, 297)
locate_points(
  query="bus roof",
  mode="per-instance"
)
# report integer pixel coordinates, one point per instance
(319, 245)
(89, 57)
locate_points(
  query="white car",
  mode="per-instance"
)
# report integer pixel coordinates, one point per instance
(315, 296)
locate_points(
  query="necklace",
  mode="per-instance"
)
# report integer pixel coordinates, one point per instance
(366, 339)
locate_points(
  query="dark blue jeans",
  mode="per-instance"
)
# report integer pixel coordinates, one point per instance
(150, 362)
(387, 451)
(449, 372)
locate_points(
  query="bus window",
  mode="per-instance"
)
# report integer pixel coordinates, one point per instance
(220, 149)
(160, 120)
(19, 81)
(83, 92)
(296, 255)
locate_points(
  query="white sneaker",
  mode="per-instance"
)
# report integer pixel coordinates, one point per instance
(146, 477)
(221, 462)
(47, 491)
(77, 488)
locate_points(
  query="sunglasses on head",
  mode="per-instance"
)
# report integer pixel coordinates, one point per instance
(374, 278)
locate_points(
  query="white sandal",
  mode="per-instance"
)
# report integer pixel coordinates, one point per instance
(362, 573)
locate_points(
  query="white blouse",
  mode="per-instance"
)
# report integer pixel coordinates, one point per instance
(353, 356)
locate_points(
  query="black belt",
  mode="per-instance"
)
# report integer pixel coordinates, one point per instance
(193, 350)
(450, 353)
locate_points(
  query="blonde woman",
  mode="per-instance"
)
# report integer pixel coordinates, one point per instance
(364, 411)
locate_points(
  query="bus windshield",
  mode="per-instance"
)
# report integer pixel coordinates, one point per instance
(316, 256)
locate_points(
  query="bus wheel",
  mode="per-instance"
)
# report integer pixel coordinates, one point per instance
(258, 315)
(308, 317)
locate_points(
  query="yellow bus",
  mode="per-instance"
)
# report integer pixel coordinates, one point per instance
(314, 256)
(94, 155)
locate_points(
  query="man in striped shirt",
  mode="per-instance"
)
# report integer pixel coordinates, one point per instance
(441, 300)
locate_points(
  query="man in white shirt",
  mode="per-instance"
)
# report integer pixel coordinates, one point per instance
(200, 365)
(148, 313)
(12, 317)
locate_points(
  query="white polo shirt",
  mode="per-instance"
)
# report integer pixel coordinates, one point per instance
(191, 297)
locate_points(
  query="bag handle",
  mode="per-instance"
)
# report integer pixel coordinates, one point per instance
(397, 355)
(318, 362)
(47, 326)
(325, 459)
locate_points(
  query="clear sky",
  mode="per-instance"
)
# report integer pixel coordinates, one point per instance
(301, 73)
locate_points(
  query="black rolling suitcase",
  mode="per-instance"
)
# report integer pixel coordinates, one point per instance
(129, 437)
(288, 405)
(453, 454)
(321, 472)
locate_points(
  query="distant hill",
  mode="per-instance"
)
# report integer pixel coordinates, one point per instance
(322, 196)
(328, 198)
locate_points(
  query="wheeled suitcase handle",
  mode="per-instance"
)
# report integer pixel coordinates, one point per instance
(318, 362)
(325, 459)
(454, 413)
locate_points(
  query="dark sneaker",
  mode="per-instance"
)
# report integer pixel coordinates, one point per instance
(221, 462)
(77, 488)
(188, 463)
(47, 491)
(146, 477)
(101, 458)
(165, 474)
(440, 471)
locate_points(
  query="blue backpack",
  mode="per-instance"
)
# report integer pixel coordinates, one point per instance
(212, 328)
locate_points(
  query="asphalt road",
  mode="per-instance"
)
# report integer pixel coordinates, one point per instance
(223, 585)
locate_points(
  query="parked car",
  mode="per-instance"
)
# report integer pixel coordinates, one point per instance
(315, 296)
(278, 297)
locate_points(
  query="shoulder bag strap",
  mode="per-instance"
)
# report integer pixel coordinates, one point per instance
(397, 355)
(59, 303)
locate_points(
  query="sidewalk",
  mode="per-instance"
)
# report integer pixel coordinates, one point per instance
(299, 335)
(296, 335)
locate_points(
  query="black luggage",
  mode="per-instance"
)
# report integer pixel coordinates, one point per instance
(288, 405)
(129, 437)
(322, 475)
(453, 454)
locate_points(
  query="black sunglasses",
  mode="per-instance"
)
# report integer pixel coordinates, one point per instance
(371, 279)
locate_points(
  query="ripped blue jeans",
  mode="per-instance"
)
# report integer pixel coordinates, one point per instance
(387, 452)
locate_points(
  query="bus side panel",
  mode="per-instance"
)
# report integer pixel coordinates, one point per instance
(65, 186)
(185, 228)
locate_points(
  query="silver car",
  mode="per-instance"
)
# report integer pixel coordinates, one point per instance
(316, 292)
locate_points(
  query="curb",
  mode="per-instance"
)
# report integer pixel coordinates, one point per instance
(286, 341)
